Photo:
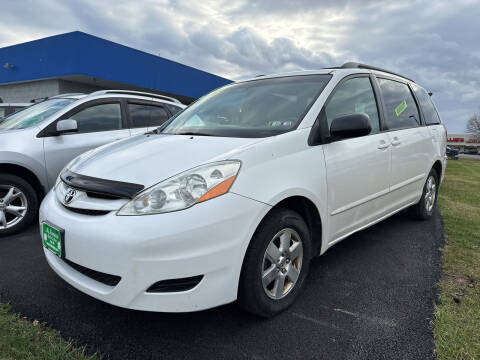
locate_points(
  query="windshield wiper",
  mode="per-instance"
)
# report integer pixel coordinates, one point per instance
(154, 131)
(193, 133)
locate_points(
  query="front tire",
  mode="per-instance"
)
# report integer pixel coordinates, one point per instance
(276, 264)
(18, 204)
(423, 210)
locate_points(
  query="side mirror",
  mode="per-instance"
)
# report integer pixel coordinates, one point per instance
(349, 126)
(67, 126)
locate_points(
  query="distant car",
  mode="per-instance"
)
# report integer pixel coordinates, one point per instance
(452, 153)
(37, 142)
(9, 108)
(470, 151)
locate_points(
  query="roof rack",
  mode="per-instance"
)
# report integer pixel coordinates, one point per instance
(66, 94)
(355, 65)
(40, 99)
(138, 93)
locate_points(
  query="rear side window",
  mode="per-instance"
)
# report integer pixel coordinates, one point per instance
(354, 96)
(400, 106)
(428, 109)
(101, 117)
(2, 113)
(142, 115)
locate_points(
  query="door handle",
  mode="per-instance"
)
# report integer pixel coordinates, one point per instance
(383, 145)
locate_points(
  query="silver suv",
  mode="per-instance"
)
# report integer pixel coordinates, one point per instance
(37, 142)
(7, 109)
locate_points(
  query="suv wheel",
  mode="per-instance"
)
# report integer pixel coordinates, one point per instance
(276, 264)
(424, 208)
(18, 204)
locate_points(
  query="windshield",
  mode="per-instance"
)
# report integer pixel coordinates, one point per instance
(257, 108)
(34, 114)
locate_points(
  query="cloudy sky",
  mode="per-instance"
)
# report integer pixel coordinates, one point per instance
(435, 42)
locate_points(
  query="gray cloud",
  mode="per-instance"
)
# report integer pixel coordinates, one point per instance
(433, 42)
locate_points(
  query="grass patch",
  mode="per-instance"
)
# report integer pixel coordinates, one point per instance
(23, 339)
(457, 316)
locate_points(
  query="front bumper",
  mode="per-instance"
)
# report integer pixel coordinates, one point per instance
(208, 239)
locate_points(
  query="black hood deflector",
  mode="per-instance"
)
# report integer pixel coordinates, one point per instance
(101, 186)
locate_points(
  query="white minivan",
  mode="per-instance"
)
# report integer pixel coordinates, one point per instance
(231, 198)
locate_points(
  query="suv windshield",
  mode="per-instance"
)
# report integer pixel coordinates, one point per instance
(34, 114)
(257, 108)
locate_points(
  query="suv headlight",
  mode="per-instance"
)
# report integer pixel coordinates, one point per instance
(184, 190)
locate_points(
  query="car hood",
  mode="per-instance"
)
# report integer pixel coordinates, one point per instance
(149, 159)
(5, 132)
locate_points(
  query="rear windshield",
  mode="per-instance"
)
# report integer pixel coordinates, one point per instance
(257, 108)
(34, 114)
(428, 109)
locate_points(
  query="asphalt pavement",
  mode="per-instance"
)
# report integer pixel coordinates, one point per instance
(369, 297)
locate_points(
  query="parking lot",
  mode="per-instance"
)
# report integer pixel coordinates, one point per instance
(369, 297)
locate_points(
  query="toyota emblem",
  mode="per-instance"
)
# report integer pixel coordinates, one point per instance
(70, 195)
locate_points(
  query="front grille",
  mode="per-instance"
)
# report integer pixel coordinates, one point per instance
(107, 279)
(88, 211)
(175, 285)
(102, 196)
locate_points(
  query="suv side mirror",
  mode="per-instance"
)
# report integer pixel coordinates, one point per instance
(67, 126)
(349, 126)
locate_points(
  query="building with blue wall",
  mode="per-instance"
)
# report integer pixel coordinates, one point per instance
(79, 62)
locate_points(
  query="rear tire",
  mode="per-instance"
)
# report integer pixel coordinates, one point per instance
(423, 210)
(271, 280)
(18, 204)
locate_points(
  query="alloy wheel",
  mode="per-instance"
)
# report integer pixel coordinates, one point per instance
(13, 206)
(430, 193)
(282, 263)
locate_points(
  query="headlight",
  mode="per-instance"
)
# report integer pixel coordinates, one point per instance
(184, 190)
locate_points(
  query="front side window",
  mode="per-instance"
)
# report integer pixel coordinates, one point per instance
(147, 115)
(34, 114)
(400, 106)
(428, 109)
(354, 96)
(174, 109)
(101, 117)
(257, 108)
(2, 113)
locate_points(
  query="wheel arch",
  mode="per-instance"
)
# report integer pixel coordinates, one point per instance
(437, 166)
(26, 174)
(307, 209)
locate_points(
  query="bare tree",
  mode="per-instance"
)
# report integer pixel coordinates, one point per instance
(473, 124)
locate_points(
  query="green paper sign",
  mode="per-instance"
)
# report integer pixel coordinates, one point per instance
(401, 108)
